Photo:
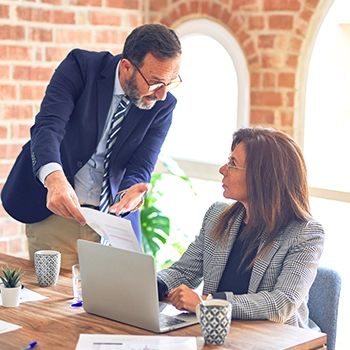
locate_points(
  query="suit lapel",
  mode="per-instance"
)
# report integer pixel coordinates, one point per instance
(105, 88)
(261, 265)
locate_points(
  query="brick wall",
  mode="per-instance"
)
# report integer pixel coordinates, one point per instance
(36, 35)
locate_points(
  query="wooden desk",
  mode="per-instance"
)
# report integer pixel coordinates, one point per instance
(55, 325)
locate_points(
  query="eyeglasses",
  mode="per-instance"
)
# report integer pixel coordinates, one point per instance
(230, 164)
(154, 87)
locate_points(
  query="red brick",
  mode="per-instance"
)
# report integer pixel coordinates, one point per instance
(158, 5)
(10, 53)
(32, 73)
(135, 21)
(266, 41)
(236, 23)
(286, 80)
(249, 49)
(255, 79)
(4, 246)
(281, 5)
(306, 15)
(312, 3)
(184, 9)
(4, 72)
(32, 92)
(8, 32)
(10, 228)
(18, 112)
(295, 44)
(290, 99)
(256, 22)
(43, 35)
(215, 10)
(123, 4)
(243, 36)
(10, 151)
(269, 80)
(4, 11)
(52, 2)
(73, 36)
(103, 18)
(287, 118)
(261, 116)
(39, 15)
(194, 6)
(272, 60)
(266, 98)
(97, 3)
(21, 131)
(244, 5)
(3, 134)
(282, 22)
(8, 92)
(55, 54)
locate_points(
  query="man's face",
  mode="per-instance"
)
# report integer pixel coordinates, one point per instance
(138, 80)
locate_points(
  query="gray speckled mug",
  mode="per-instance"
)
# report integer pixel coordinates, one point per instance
(47, 265)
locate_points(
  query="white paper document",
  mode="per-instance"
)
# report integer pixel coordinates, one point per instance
(7, 327)
(131, 342)
(117, 231)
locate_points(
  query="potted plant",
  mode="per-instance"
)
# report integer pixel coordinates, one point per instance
(10, 288)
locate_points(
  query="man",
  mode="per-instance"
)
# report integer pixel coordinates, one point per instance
(64, 166)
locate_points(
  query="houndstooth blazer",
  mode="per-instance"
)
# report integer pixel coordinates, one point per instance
(280, 282)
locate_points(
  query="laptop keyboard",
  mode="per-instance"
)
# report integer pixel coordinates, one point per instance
(168, 321)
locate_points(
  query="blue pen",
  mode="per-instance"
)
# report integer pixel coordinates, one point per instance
(30, 346)
(80, 303)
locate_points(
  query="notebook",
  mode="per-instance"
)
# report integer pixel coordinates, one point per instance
(121, 285)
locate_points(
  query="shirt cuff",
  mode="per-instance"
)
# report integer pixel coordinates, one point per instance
(219, 295)
(47, 169)
(162, 289)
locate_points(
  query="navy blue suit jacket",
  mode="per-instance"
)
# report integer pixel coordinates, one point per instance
(68, 128)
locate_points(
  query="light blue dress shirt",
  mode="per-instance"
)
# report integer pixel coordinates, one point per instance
(88, 180)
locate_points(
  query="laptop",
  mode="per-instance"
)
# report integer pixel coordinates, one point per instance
(121, 285)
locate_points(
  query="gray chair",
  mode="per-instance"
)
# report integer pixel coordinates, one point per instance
(323, 303)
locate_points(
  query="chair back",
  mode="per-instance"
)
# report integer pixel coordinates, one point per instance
(323, 303)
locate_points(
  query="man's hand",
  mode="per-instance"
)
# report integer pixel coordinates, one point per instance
(184, 298)
(131, 199)
(61, 197)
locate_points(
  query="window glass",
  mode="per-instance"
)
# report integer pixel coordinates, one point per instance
(206, 113)
(327, 113)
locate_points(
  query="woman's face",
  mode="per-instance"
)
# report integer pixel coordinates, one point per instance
(234, 176)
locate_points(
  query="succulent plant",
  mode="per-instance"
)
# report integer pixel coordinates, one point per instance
(11, 277)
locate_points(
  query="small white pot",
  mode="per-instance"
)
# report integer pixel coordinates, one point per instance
(10, 296)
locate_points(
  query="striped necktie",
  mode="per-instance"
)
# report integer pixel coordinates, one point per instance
(105, 198)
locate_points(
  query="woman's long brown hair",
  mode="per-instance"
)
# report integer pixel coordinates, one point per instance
(277, 187)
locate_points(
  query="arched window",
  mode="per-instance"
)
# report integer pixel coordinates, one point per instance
(213, 101)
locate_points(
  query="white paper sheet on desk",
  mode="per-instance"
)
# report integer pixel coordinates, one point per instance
(7, 327)
(28, 295)
(130, 342)
(116, 230)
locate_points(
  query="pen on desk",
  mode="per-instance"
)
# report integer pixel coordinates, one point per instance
(80, 303)
(30, 346)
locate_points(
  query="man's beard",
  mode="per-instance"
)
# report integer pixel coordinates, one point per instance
(133, 92)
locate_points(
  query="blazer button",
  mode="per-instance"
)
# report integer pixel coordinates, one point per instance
(79, 164)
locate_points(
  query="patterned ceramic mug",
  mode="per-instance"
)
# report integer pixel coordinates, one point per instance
(47, 267)
(214, 316)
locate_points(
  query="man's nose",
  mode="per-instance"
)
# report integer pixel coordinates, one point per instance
(161, 93)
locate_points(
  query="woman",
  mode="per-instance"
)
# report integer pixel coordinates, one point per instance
(261, 252)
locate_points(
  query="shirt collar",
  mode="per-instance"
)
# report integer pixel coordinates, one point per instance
(118, 90)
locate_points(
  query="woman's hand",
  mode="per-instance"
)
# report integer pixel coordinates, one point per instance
(184, 298)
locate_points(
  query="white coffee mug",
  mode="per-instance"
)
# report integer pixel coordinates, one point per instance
(47, 266)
